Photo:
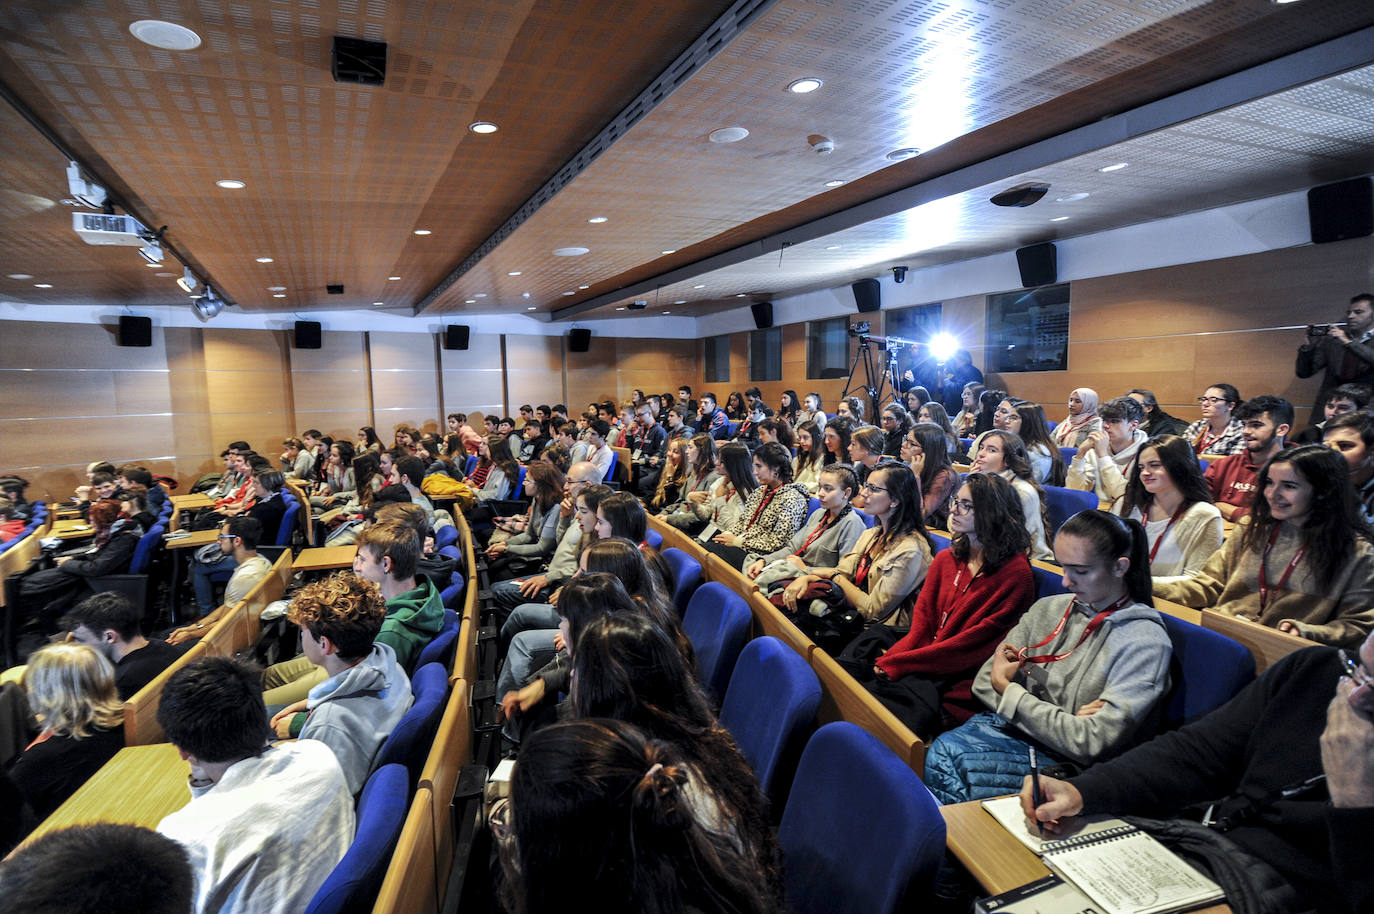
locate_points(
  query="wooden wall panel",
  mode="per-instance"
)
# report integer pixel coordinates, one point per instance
(405, 385)
(534, 370)
(472, 379)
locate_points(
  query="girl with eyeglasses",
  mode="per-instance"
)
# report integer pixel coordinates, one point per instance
(1078, 678)
(1305, 562)
(889, 562)
(975, 592)
(1217, 432)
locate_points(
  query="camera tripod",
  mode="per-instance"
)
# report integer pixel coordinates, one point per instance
(876, 379)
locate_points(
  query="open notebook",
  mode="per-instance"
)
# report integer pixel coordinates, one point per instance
(1118, 866)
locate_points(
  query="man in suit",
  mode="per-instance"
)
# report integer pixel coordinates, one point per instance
(1345, 353)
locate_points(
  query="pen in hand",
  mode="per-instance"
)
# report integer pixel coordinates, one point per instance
(1036, 796)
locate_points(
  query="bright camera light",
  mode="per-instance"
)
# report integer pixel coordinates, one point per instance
(942, 346)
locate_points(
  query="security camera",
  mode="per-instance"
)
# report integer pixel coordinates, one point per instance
(899, 274)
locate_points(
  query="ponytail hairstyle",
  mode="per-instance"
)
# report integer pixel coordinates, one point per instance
(988, 402)
(871, 439)
(1333, 520)
(1114, 537)
(590, 596)
(603, 817)
(646, 577)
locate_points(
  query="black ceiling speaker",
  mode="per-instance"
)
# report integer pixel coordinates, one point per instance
(579, 340)
(1039, 264)
(456, 336)
(868, 295)
(308, 335)
(135, 331)
(1341, 210)
(763, 314)
(1022, 195)
(357, 60)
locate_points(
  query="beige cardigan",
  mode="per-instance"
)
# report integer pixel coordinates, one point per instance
(895, 575)
(1341, 614)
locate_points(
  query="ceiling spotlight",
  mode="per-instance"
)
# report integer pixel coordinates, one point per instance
(392, 278)
(832, 247)
(1071, 198)
(680, 301)
(165, 35)
(1106, 169)
(804, 85)
(276, 288)
(835, 183)
(669, 251)
(21, 276)
(638, 305)
(483, 127)
(423, 232)
(378, 304)
(264, 260)
(188, 281)
(155, 264)
(152, 253)
(84, 191)
(597, 220)
(469, 301)
(230, 184)
(475, 295)
(1020, 195)
(584, 287)
(700, 285)
(727, 135)
(42, 285)
(208, 305)
(278, 294)
(514, 273)
(570, 252)
(532, 308)
(569, 293)
(906, 152)
(1060, 219)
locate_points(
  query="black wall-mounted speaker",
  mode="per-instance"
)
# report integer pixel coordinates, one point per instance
(868, 295)
(456, 336)
(308, 335)
(763, 314)
(1038, 263)
(1341, 210)
(135, 331)
(579, 340)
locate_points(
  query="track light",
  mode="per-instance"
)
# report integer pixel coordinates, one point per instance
(187, 281)
(84, 191)
(208, 305)
(151, 252)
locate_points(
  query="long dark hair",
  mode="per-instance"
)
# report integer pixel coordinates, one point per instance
(1016, 459)
(706, 455)
(781, 429)
(498, 446)
(907, 517)
(626, 516)
(1036, 430)
(590, 596)
(998, 521)
(647, 577)
(789, 412)
(346, 454)
(1333, 520)
(931, 438)
(936, 411)
(734, 406)
(1112, 538)
(370, 436)
(816, 455)
(739, 468)
(842, 427)
(1179, 462)
(548, 483)
(606, 818)
(987, 406)
(366, 465)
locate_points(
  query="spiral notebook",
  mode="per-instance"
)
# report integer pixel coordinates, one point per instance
(1121, 868)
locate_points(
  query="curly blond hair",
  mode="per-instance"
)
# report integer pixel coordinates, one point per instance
(346, 609)
(71, 689)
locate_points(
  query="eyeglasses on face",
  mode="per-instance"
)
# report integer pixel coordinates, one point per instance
(960, 506)
(1214, 400)
(870, 487)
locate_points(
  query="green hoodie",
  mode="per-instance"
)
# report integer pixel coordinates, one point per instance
(412, 620)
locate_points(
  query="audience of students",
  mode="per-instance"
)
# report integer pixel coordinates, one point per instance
(1265, 422)
(770, 516)
(1168, 495)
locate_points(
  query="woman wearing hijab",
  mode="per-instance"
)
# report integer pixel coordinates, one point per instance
(1082, 420)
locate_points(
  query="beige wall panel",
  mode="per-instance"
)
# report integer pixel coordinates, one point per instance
(484, 351)
(264, 431)
(325, 390)
(584, 386)
(192, 436)
(141, 392)
(43, 392)
(30, 344)
(415, 391)
(401, 350)
(534, 369)
(471, 389)
(249, 391)
(185, 348)
(191, 391)
(42, 442)
(246, 350)
(340, 350)
(336, 423)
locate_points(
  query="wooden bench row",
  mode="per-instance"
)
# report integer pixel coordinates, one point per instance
(21, 555)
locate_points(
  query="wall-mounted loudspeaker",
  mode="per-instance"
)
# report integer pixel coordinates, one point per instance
(579, 340)
(1341, 210)
(308, 335)
(456, 336)
(135, 331)
(763, 314)
(1038, 263)
(868, 295)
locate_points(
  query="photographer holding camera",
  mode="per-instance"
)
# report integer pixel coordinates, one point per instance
(1346, 352)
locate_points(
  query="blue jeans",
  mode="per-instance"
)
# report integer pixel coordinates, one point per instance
(528, 617)
(983, 758)
(204, 587)
(506, 596)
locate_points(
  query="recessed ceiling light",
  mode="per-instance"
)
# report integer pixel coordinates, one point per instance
(740, 295)
(392, 278)
(832, 247)
(278, 294)
(669, 251)
(423, 232)
(620, 309)
(42, 285)
(264, 260)
(584, 287)
(531, 308)
(483, 127)
(1060, 219)
(569, 293)
(164, 275)
(597, 220)
(524, 295)
(154, 263)
(727, 135)
(836, 183)
(570, 252)
(1070, 198)
(376, 304)
(230, 184)
(276, 288)
(906, 152)
(514, 273)
(680, 301)
(478, 294)
(804, 85)
(700, 285)
(1117, 167)
(667, 312)
(469, 301)
(166, 35)
(21, 276)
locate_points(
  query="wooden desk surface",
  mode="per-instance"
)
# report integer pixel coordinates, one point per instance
(139, 786)
(324, 558)
(71, 528)
(198, 538)
(998, 861)
(198, 500)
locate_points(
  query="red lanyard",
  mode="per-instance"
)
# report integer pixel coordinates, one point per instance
(729, 494)
(823, 526)
(1023, 654)
(865, 562)
(1154, 550)
(949, 604)
(1203, 441)
(1264, 575)
(763, 503)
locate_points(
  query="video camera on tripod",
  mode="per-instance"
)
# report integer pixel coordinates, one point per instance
(859, 329)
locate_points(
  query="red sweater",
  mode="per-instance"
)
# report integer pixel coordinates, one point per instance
(1232, 481)
(976, 617)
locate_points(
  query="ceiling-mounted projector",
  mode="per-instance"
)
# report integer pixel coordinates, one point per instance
(1022, 195)
(101, 228)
